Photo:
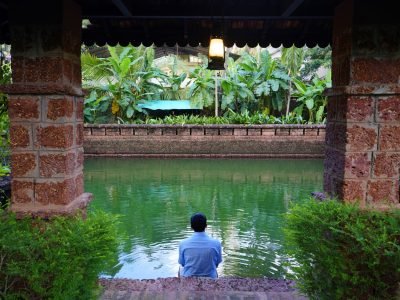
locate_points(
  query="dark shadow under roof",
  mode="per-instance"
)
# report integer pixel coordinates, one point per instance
(190, 22)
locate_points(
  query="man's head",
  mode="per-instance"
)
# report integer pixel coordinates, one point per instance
(198, 222)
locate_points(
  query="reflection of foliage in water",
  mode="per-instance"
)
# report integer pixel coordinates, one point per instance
(243, 200)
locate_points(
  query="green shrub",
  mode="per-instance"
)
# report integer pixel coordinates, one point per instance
(57, 259)
(344, 252)
(231, 118)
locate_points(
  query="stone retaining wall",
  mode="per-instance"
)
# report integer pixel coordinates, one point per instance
(303, 141)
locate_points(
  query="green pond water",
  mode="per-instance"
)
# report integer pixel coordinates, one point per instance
(243, 199)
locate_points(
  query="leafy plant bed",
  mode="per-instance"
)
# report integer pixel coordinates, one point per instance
(59, 258)
(343, 251)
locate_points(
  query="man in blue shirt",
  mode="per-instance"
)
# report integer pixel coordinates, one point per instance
(199, 255)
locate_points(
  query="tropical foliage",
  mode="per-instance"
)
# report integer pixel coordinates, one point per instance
(229, 118)
(292, 58)
(118, 82)
(202, 86)
(315, 59)
(310, 98)
(342, 251)
(57, 259)
(254, 84)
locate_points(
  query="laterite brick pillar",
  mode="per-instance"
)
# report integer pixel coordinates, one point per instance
(46, 108)
(362, 158)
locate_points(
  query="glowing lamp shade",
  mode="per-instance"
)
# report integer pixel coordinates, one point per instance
(216, 54)
(216, 48)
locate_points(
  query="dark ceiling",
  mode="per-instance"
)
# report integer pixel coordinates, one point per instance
(190, 22)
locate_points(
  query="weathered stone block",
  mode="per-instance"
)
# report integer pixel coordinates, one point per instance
(79, 185)
(24, 165)
(386, 165)
(154, 131)
(332, 107)
(79, 107)
(388, 109)
(79, 134)
(361, 138)
(356, 109)
(76, 74)
(87, 131)
(140, 131)
(322, 132)
(32, 68)
(169, 131)
(282, 131)
(67, 70)
(197, 131)
(50, 69)
(98, 131)
(296, 131)
(226, 131)
(56, 165)
(20, 136)
(183, 131)
(24, 108)
(311, 131)
(22, 191)
(254, 131)
(212, 131)
(389, 138)
(268, 131)
(334, 162)
(240, 131)
(79, 158)
(55, 191)
(372, 70)
(126, 131)
(381, 191)
(357, 165)
(17, 66)
(61, 136)
(112, 131)
(61, 109)
(352, 190)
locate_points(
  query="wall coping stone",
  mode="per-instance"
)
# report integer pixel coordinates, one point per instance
(269, 126)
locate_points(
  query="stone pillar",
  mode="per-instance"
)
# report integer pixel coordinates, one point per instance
(46, 108)
(362, 158)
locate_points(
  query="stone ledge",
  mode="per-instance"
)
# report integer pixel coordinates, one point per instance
(48, 211)
(204, 155)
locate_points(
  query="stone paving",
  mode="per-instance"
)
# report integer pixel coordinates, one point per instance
(182, 295)
(200, 289)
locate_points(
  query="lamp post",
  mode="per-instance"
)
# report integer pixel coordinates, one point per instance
(216, 60)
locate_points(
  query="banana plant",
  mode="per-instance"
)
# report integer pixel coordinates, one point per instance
(292, 58)
(121, 80)
(202, 86)
(311, 101)
(237, 90)
(271, 83)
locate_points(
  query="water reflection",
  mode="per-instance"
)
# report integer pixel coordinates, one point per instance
(243, 199)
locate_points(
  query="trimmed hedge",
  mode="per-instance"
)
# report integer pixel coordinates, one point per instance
(57, 259)
(344, 252)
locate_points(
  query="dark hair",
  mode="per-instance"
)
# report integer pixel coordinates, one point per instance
(198, 222)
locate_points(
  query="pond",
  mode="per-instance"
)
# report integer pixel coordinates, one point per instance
(243, 199)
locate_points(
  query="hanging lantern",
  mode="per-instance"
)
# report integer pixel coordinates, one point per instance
(216, 54)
